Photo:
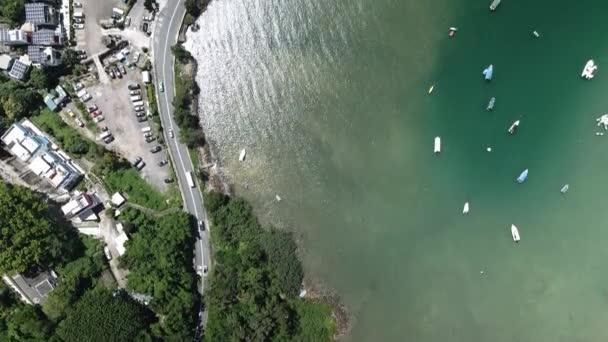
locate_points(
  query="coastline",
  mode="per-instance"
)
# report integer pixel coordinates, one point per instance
(216, 181)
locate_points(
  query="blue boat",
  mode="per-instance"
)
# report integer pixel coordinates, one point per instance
(488, 72)
(522, 177)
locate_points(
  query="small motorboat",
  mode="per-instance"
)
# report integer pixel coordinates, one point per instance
(437, 146)
(515, 233)
(494, 4)
(491, 104)
(589, 70)
(522, 176)
(278, 198)
(452, 31)
(488, 72)
(431, 88)
(599, 133)
(465, 210)
(564, 189)
(536, 34)
(513, 127)
(242, 155)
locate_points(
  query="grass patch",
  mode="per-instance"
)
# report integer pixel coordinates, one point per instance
(65, 135)
(315, 320)
(128, 181)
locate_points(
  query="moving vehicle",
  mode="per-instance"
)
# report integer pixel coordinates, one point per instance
(513, 127)
(523, 176)
(190, 179)
(589, 70)
(171, 133)
(201, 225)
(437, 146)
(161, 86)
(515, 233)
(488, 72)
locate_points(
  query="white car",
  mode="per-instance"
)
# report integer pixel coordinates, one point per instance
(106, 251)
(85, 97)
(171, 133)
(79, 123)
(78, 26)
(98, 119)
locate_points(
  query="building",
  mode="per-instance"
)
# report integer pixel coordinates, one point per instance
(41, 14)
(32, 290)
(31, 146)
(82, 204)
(145, 76)
(44, 56)
(48, 37)
(20, 68)
(117, 200)
(50, 103)
(14, 37)
(6, 62)
(55, 98)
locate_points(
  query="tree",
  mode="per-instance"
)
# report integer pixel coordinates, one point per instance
(180, 53)
(20, 103)
(27, 323)
(29, 239)
(150, 5)
(101, 315)
(13, 11)
(283, 261)
(69, 58)
(193, 7)
(39, 79)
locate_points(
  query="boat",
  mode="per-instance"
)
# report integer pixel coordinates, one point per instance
(437, 147)
(494, 4)
(522, 176)
(278, 198)
(491, 103)
(535, 33)
(242, 155)
(513, 127)
(515, 233)
(453, 31)
(488, 72)
(589, 70)
(564, 189)
(465, 210)
(431, 88)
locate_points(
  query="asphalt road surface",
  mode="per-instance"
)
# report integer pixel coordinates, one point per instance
(165, 35)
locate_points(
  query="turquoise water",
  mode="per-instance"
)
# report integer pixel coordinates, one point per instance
(330, 100)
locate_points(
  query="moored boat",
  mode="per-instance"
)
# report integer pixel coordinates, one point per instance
(515, 233)
(465, 210)
(522, 176)
(431, 88)
(565, 188)
(453, 31)
(589, 70)
(437, 145)
(536, 34)
(491, 104)
(513, 127)
(242, 155)
(494, 4)
(488, 72)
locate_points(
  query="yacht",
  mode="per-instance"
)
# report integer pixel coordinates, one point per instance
(437, 147)
(242, 155)
(515, 233)
(431, 88)
(488, 72)
(465, 210)
(513, 127)
(589, 70)
(491, 103)
(453, 31)
(494, 4)
(523, 176)
(564, 189)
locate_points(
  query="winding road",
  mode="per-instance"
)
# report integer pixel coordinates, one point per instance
(169, 21)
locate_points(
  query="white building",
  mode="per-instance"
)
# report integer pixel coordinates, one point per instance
(145, 76)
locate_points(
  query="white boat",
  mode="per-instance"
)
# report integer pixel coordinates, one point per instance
(437, 147)
(513, 127)
(565, 188)
(535, 33)
(589, 70)
(242, 155)
(494, 4)
(515, 233)
(465, 210)
(278, 198)
(431, 88)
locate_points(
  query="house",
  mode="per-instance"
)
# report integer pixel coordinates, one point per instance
(145, 76)
(50, 103)
(6, 62)
(44, 56)
(41, 14)
(82, 204)
(20, 68)
(31, 146)
(14, 37)
(48, 37)
(62, 95)
(55, 98)
(117, 200)
(32, 290)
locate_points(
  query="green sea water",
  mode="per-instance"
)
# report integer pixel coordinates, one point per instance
(330, 100)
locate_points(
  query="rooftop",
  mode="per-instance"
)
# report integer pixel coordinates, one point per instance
(32, 290)
(40, 14)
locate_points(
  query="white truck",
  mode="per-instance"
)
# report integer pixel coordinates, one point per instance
(146, 129)
(190, 179)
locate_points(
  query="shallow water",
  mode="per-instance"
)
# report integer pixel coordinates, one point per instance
(330, 100)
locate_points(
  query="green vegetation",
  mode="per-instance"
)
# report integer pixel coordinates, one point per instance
(39, 79)
(66, 136)
(159, 258)
(253, 289)
(185, 93)
(196, 7)
(12, 12)
(180, 53)
(150, 5)
(17, 101)
(29, 239)
(102, 316)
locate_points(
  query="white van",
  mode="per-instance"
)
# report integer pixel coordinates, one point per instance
(78, 14)
(138, 103)
(146, 129)
(104, 135)
(81, 93)
(136, 98)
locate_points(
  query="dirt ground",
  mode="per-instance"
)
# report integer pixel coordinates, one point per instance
(89, 39)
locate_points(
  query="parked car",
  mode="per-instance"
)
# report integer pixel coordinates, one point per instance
(95, 114)
(136, 98)
(133, 86)
(127, 21)
(161, 86)
(140, 114)
(104, 128)
(98, 119)
(155, 149)
(79, 123)
(168, 180)
(117, 72)
(77, 86)
(136, 161)
(78, 26)
(141, 165)
(86, 97)
(142, 119)
(150, 139)
(111, 73)
(108, 139)
(148, 18)
(144, 27)
(70, 113)
(92, 108)
(163, 162)
(106, 250)
(79, 20)
(139, 108)
(136, 57)
(147, 134)
(134, 92)
(171, 133)
(122, 69)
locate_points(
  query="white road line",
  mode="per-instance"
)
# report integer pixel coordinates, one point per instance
(179, 154)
